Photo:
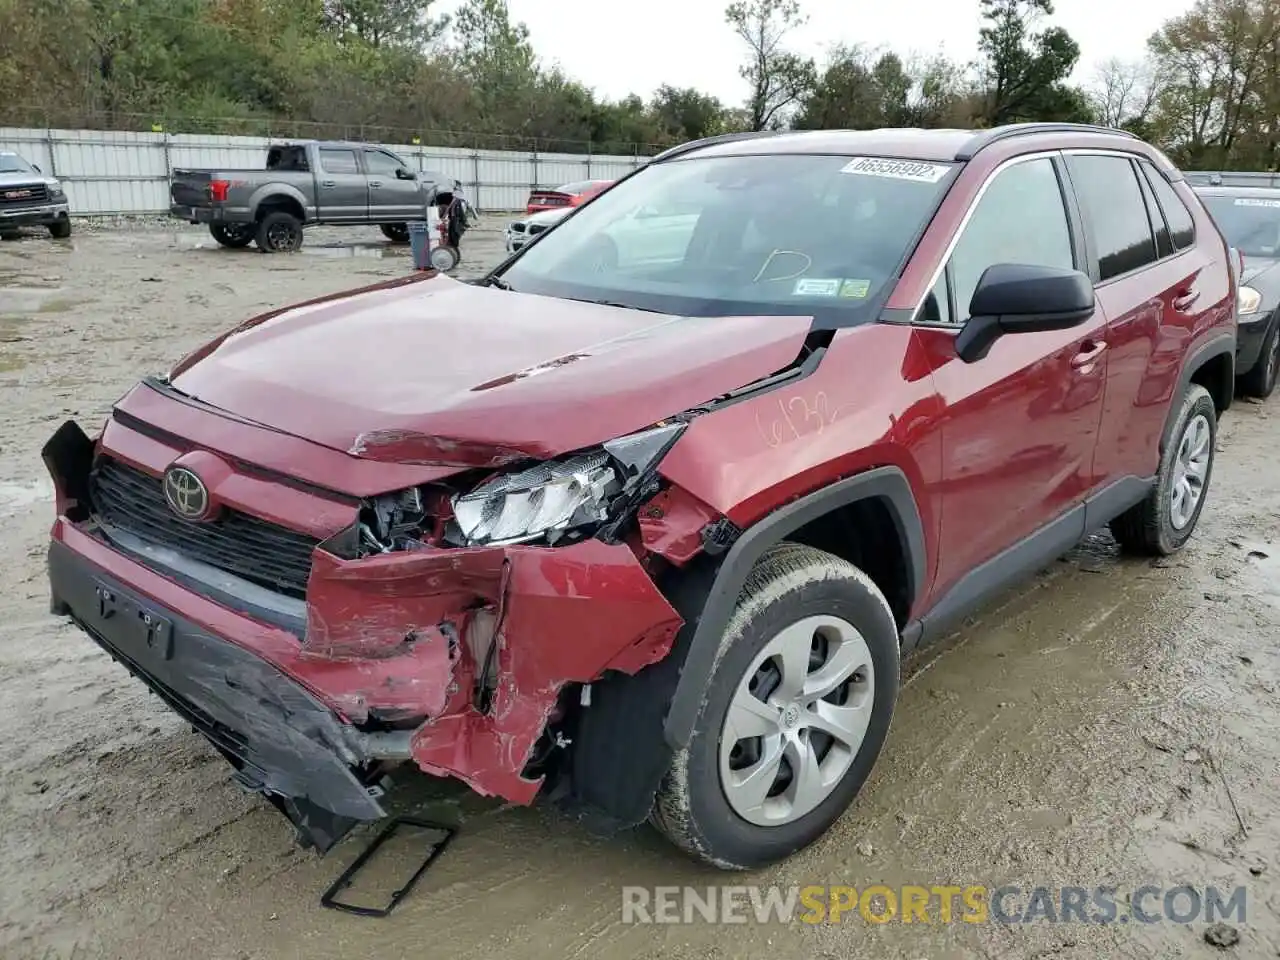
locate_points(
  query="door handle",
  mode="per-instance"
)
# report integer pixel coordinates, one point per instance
(1090, 350)
(1183, 300)
(374, 184)
(328, 183)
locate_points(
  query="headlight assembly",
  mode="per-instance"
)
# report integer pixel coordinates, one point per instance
(1249, 300)
(551, 499)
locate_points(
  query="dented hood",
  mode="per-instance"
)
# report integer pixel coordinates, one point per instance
(438, 371)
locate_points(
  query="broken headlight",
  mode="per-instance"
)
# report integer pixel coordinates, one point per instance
(554, 498)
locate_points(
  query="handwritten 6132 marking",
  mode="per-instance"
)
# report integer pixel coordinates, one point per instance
(798, 416)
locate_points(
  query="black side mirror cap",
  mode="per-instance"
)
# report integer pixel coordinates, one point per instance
(1022, 298)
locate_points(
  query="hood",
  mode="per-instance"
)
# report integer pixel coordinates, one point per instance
(23, 178)
(436, 371)
(1255, 267)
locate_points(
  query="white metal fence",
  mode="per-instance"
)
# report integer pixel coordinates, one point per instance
(107, 172)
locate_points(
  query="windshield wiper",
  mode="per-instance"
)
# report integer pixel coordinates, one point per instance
(493, 280)
(615, 303)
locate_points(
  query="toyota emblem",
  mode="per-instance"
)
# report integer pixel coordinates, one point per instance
(186, 494)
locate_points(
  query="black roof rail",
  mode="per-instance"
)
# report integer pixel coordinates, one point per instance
(692, 145)
(986, 138)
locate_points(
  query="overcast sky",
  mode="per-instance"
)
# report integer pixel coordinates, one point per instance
(619, 47)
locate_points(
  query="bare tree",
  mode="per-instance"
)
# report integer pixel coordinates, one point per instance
(778, 79)
(1125, 91)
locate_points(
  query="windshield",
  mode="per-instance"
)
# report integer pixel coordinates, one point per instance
(1250, 224)
(721, 236)
(12, 163)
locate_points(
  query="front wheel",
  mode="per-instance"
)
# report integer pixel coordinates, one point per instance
(233, 235)
(279, 232)
(60, 229)
(1165, 520)
(794, 716)
(395, 232)
(1260, 382)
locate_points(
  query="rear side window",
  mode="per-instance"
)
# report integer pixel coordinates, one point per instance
(1112, 200)
(1164, 246)
(1182, 228)
(339, 161)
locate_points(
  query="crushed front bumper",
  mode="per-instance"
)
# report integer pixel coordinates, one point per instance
(465, 651)
(282, 741)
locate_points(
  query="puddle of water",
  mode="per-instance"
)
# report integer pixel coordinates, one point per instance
(15, 497)
(17, 300)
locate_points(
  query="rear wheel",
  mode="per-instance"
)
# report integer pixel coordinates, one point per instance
(1260, 382)
(795, 714)
(60, 229)
(1165, 520)
(279, 232)
(395, 232)
(233, 235)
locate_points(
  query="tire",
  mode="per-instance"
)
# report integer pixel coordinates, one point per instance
(395, 232)
(1158, 526)
(444, 259)
(61, 229)
(10, 234)
(279, 232)
(825, 605)
(233, 235)
(1260, 382)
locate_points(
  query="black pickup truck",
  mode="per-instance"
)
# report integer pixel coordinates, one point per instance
(302, 184)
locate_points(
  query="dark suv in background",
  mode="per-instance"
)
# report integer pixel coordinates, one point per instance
(742, 431)
(1246, 207)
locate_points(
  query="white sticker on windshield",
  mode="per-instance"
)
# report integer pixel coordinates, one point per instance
(896, 169)
(1256, 202)
(813, 287)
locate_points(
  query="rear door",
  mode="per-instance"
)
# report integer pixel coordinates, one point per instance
(1146, 268)
(1021, 424)
(341, 186)
(391, 198)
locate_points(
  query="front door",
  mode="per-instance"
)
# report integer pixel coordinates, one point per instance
(1019, 436)
(342, 191)
(392, 197)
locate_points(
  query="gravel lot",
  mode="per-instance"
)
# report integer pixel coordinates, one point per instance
(1112, 722)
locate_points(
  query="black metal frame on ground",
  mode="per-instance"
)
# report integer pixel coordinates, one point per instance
(329, 898)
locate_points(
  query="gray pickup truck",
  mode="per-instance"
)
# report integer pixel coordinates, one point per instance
(28, 198)
(302, 184)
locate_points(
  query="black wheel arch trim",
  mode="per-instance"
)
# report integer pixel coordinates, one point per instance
(1224, 343)
(888, 483)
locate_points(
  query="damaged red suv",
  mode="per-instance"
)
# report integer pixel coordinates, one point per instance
(650, 517)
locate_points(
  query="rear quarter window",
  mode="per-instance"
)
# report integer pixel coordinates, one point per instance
(1182, 226)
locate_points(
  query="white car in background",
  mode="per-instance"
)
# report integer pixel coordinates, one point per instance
(520, 232)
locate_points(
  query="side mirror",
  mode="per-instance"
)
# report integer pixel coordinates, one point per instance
(1020, 298)
(403, 174)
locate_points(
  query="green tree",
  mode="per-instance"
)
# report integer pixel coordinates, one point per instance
(405, 23)
(778, 79)
(1025, 69)
(686, 114)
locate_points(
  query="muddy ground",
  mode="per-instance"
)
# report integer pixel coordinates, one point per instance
(1101, 725)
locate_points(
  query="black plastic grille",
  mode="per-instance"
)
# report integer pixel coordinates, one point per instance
(257, 550)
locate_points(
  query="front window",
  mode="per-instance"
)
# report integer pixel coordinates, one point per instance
(1250, 224)
(12, 163)
(721, 236)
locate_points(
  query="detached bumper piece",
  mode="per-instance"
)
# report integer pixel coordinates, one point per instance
(282, 742)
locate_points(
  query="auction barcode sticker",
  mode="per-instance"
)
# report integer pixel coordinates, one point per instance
(896, 169)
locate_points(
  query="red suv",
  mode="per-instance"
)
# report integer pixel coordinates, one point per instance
(644, 520)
